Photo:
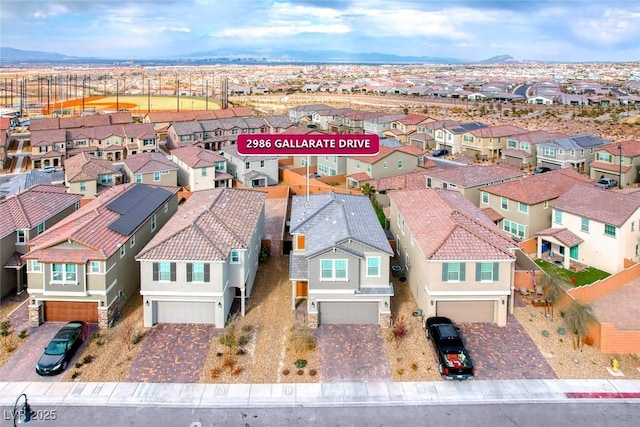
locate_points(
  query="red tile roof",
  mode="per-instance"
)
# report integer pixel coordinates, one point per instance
(187, 116)
(86, 167)
(630, 148)
(605, 206)
(196, 157)
(384, 151)
(149, 162)
(469, 176)
(563, 235)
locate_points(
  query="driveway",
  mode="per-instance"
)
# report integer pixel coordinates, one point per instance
(352, 353)
(172, 353)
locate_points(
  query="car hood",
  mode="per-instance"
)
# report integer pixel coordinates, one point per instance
(48, 361)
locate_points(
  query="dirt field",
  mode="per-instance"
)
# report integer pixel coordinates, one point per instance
(137, 103)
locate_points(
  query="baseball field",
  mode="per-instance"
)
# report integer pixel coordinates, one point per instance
(137, 104)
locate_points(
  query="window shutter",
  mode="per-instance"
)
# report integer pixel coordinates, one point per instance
(463, 268)
(173, 271)
(189, 272)
(206, 273)
(478, 271)
(155, 271)
(496, 271)
(445, 271)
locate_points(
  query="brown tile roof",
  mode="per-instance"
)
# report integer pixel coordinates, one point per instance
(620, 307)
(149, 162)
(535, 136)
(196, 157)
(48, 137)
(563, 235)
(447, 226)
(31, 207)
(469, 176)
(605, 206)
(535, 189)
(384, 151)
(87, 230)
(492, 214)
(86, 167)
(185, 116)
(498, 131)
(44, 124)
(413, 119)
(208, 226)
(408, 181)
(611, 167)
(630, 148)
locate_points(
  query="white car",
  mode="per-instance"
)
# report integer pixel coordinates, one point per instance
(48, 169)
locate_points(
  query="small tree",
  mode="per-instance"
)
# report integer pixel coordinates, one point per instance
(399, 329)
(552, 287)
(578, 317)
(5, 330)
(368, 190)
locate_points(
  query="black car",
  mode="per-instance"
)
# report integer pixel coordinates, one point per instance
(440, 153)
(454, 362)
(541, 169)
(58, 353)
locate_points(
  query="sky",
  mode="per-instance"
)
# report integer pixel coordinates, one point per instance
(548, 30)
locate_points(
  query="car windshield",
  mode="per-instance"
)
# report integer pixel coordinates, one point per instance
(56, 348)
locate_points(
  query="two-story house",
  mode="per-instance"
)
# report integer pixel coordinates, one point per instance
(594, 227)
(521, 148)
(403, 128)
(620, 161)
(379, 124)
(200, 169)
(449, 137)
(522, 206)
(300, 112)
(23, 216)
(457, 262)
(251, 171)
(339, 260)
(48, 147)
(88, 175)
(150, 168)
(5, 126)
(331, 165)
(389, 161)
(204, 259)
(571, 152)
(84, 267)
(329, 120)
(488, 142)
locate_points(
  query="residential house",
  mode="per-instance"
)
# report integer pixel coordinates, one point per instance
(388, 162)
(162, 119)
(200, 169)
(470, 179)
(204, 259)
(331, 165)
(23, 216)
(297, 113)
(457, 262)
(48, 147)
(522, 207)
(339, 260)
(150, 168)
(329, 120)
(521, 148)
(449, 137)
(88, 175)
(571, 152)
(402, 129)
(595, 227)
(5, 126)
(620, 161)
(84, 267)
(488, 142)
(252, 171)
(379, 124)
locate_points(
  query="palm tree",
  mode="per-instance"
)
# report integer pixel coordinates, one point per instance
(368, 190)
(578, 317)
(553, 290)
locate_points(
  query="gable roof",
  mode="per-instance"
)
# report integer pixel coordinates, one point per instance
(497, 131)
(630, 148)
(579, 142)
(385, 150)
(328, 220)
(605, 206)
(208, 226)
(468, 176)
(149, 162)
(196, 157)
(86, 167)
(448, 227)
(183, 116)
(30, 208)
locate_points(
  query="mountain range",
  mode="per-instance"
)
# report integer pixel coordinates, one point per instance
(12, 55)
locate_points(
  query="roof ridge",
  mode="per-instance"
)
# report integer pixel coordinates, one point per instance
(474, 220)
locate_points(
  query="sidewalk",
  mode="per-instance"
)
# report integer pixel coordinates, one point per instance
(317, 394)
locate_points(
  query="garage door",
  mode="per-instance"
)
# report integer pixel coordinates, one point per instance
(66, 311)
(184, 312)
(467, 311)
(345, 313)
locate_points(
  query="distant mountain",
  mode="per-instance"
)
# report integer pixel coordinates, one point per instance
(507, 59)
(11, 54)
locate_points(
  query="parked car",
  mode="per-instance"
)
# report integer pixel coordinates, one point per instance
(48, 169)
(454, 362)
(441, 152)
(58, 353)
(606, 183)
(541, 169)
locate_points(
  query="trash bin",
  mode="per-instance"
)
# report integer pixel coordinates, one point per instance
(396, 270)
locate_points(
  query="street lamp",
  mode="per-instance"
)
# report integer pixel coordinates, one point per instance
(620, 166)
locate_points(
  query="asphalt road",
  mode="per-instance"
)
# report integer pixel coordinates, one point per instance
(583, 413)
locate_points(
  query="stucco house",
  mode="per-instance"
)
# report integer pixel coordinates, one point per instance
(23, 216)
(150, 168)
(404, 127)
(488, 142)
(84, 267)
(449, 136)
(340, 260)
(521, 148)
(594, 227)
(200, 169)
(88, 175)
(204, 258)
(620, 161)
(457, 262)
(251, 171)
(571, 152)
(389, 161)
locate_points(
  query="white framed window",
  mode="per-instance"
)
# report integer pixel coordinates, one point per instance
(164, 271)
(123, 250)
(203, 172)
(64, 273)
(41, 228)
(165, 209)
(523, 208)
(485, 197)
(261, 163)
(138, 178)
(504, 203)
(21, 237)
(453, 271)
(156, 176)
(35, 265)
(154, 222)
(584, 224)
(132, 240)
(247, 165)
(235, 257)
(197, 272)
(487, 271)
(83, 185)
(373, 266)
(545, 204)
(94, 267)
(400, 163)
(400, 223)
(333, 270)
(384, 165)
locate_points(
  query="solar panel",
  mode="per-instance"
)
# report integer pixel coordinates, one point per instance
(139, 211)
(130, 198)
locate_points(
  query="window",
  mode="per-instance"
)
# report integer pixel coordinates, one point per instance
(487, 271)
(165, 209)
(545, 204)
(357, 164)
(523, 208)
(333, 269)
(132, 241)
(21, 237)
(399, 163)
(549, 151)
(504, 203)
(138, 178)
(557, 217)
(633, 225)
(164, 271)
(513, 228)
(303, 162)
(156, 176)
(373, 266)
(154, 222)
(261, 163)
(429, 182)
(573, 252)
(485, 197)
(453, 271)
(41, 227)
(603, 157)
(198, 272)
(203, 172)
(94, 267)
(368, 168)
(63, 273)
(219, 166)
(401, 223)
(247, 165)
(384, 165)
(335, 159)
(610, 230)
(35, 265)
(106, 179)
(83, 185)
(585, 225)
(123, 250)
(235, 257)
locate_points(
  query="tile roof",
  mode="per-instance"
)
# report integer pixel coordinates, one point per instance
(578, 142)
(196, 157)
(605, 206)
(328, 220)
(208, 226)
(86, 167)
(31, 207)
(87, 230)
(536, 136)
(232, 151)
(492, 214)
(563, 235)
(149, 162)
(413, 119)
(534, 189)
(629, 148)
(447, 226)
(182, 116)
(497, 131)
(48, 137)
(408, 181)
(468, 176)
(385, 151)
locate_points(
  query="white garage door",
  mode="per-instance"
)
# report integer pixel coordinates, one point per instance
(348, 313)
(184, 312)
(467, 311)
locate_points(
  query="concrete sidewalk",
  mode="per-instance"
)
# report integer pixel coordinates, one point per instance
(317, 394)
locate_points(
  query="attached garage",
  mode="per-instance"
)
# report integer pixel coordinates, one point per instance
(467, 311)
(67, 311)
(345, 313)
(184, 312)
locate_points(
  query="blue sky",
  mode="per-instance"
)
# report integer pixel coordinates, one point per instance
(554, 30)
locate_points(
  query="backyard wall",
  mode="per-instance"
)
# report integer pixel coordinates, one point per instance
(601, 288)
(529, 246)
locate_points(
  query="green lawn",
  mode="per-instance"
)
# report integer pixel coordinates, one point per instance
(584, 277)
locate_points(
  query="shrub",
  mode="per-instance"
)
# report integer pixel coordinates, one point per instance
(243, 340)
(87, 359)
(5, 330)
(414, 366)
(236, 370)
(23, 334)
(313, 372)
(137, 337)
(215, 373)
(99, 339)
(302, 340)
(300, 363)
(228, 362)
(240, 352)
(399, 329)
(78, 365)
(247, 328)
(562, 331)
(285, 372)
(75, 375)
(400, 371)
(219, 354)
(545, 333)
(300, 371)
